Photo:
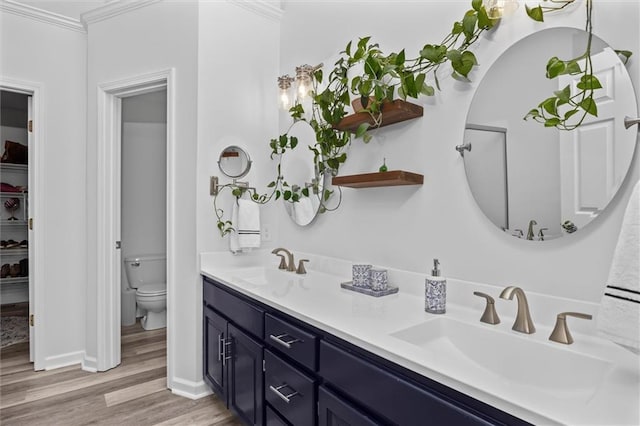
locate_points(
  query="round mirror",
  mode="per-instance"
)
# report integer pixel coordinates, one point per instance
(536, 182)
(300, 171)
(234, 162)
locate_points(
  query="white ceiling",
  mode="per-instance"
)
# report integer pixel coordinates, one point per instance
(70, 8)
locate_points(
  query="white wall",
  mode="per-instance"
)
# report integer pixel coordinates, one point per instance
(157, 37)
(55, 59)
(144, 190)
(238, 68)
(406, 227)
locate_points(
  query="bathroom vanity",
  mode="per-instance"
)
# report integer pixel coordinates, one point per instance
(281, 348)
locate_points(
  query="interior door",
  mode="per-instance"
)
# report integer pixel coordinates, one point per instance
(31, 186)
(486, 168)
(591, 164)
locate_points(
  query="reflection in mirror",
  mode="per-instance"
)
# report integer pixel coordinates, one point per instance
(234, 162)
(541, 183)
(299, 168)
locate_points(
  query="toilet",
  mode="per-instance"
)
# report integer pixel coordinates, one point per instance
(147, 275)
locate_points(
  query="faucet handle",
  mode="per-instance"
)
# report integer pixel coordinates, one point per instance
(490, 316)
(561, 332)
(283, 262)
(301, 269)
(518, 233)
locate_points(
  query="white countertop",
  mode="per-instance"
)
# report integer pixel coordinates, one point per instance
(369, 322)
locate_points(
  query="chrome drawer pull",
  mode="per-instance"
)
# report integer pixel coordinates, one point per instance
(286, 344)
(222, 354)
(285, 398)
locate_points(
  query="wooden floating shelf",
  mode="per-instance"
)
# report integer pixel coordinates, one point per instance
(372, 180)
(392, 112)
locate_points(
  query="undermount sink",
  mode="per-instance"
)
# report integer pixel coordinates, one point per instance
(259, 276)
(505, 356)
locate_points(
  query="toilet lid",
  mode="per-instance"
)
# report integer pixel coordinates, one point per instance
(152, 289)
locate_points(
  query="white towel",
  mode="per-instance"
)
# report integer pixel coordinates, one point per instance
(245, 217)
(619, 314)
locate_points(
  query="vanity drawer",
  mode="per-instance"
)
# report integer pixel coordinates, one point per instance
(239, 311)
(291, 341)
(273, 418)
(291, 392)
(387, 394)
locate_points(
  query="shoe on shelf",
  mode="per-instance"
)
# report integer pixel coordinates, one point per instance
(24, 267)
(24, 244)
(14, 270)
(3, 244)
(12, 244)
(4, 271)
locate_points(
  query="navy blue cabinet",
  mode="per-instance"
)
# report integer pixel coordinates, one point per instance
(214, 333)
(334, 411)
(245, 388)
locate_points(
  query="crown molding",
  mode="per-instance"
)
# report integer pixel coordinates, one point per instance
(36, 14)
(113, 9)
(264, 8)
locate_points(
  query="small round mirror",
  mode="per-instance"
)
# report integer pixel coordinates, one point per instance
(234, 162)
(301, 173)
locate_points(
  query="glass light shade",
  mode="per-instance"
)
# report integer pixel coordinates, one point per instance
(497, 9)
(284, 95)
(303, 82)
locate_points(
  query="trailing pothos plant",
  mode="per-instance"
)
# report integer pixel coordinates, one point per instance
(565, 110)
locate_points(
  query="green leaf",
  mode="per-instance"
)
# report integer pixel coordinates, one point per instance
(433, 53)
(626, 54)
(535, 13)
(283, 141)
(589, 105)
(532, 114)
(327, 194)
(287, 195)
(589, 82)
(271, 184)
(457, 28)
(295, 198)
(278, 193)
(570, 113)
(400, 58)
(294, 141)
(469, 24)
(573, 68)
(366, 138)
(552, 122)
(347, 49)
(362, 129)
(305, 192)
(549, 105)
(483, 19)
(564, 95)
(555, 67)
(476, 4)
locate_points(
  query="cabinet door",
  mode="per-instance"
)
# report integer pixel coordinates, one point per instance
(336, 412)
(246, 393)
(214, 333)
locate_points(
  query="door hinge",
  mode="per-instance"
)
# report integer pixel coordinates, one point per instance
(264, 366)
(31, 320)
(30, 224)
(118, 245)
(30, 125)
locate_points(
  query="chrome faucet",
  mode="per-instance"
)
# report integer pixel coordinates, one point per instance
(530, 233)
(523, 322)
(290, 265)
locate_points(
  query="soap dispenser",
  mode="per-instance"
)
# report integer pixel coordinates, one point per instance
(435, 291)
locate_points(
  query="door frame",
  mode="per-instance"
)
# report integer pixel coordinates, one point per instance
(108, 263)
(36, 210)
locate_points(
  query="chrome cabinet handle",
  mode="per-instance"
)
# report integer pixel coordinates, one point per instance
(285, 398)
(286, 344)
(222, 352)
(561, 332)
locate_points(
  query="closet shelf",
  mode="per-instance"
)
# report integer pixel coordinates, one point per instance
(10, 166)
(16, 280)
(372, 180)
(13, 194)
(19, 251)
(392, 112)
(17, 223)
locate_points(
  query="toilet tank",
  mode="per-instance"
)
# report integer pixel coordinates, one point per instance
(145, 268)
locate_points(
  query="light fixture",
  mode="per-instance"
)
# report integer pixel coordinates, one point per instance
(497, 9)
(304, 85)
(284, 83)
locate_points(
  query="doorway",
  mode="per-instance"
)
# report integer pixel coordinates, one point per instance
(109, 259)
(19, 175)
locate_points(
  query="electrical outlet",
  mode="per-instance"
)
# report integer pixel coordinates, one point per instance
(266, 233)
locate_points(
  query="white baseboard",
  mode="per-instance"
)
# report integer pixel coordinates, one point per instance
(64, 360)
(189, 389)
(89, 364)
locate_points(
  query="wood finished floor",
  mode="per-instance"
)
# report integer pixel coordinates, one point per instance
(134, 393)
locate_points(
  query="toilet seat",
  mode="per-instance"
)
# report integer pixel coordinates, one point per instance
(152, 289)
